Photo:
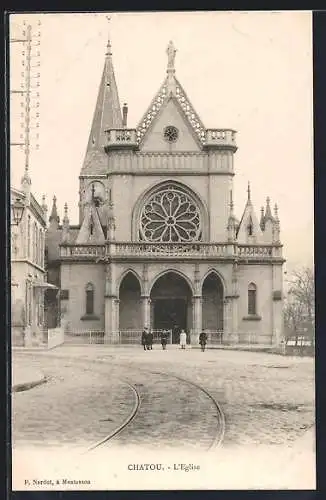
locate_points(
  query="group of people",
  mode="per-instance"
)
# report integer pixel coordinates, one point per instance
(147, 339)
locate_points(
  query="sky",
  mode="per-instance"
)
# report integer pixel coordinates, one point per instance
(249, 71)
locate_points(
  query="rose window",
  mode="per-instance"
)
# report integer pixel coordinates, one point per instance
(171, 133)
(170, 215)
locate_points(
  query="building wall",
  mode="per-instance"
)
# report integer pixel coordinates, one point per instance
(27, 267)
(29, 243)
(261, 326)
(213, 191)
(26, 303)
(74, 278)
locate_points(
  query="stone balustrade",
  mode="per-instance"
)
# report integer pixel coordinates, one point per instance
(255, 251)
(121, 138)
(95, 251)
(125, 138)
(183, 250)
(170, 250)
(221, 138)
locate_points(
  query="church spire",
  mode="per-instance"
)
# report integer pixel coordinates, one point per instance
(107, 112)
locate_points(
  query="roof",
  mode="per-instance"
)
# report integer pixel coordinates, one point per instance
(107, 115)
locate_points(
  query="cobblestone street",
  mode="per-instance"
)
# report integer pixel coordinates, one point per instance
(267, 400)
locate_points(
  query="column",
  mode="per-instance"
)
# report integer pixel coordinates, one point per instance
(116, 316)
(230, 319)
(111, 331)
(111, 306)
(227, 323)
(146, 310)
(197, 308)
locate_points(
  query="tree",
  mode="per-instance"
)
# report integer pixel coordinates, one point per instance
(299, 308)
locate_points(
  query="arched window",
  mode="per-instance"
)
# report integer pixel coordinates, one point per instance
(252, 299)
(89, 298)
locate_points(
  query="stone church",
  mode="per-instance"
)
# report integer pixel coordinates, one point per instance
(158, 243)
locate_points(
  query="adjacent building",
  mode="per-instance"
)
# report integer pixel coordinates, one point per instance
(158, 243)
(28, 275)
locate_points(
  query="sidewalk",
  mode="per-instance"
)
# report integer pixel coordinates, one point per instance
(25, 377)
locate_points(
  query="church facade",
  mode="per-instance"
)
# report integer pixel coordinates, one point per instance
(158, 243)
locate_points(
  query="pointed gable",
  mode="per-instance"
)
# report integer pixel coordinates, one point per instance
(171, 102)
(91, 230)
(170, 115)
(107, 115)
(249, 230)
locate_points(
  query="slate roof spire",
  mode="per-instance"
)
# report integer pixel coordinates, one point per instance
(107, 115)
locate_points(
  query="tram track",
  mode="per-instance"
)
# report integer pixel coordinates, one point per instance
(143, 406)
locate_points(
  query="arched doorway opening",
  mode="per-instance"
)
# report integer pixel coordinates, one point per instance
(171, 304)
(130, 317)
(213, 302)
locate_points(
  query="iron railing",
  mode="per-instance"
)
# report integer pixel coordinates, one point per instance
(133, 337)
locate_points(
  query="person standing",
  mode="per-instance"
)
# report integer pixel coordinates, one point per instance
(149, 340)
(144, 338)
(183, 339)
(203, 340)
(164, 339)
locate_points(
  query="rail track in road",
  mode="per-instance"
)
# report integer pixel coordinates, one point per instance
(160, 413)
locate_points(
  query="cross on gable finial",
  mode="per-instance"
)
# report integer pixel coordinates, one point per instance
(248, 191)
(108, 45)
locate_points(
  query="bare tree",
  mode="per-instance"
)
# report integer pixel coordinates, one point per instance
(299, 306)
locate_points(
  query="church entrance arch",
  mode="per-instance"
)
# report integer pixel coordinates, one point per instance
(130, 317)
(213, 302)
(171, 304)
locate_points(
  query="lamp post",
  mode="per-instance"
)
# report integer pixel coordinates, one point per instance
(17, 211)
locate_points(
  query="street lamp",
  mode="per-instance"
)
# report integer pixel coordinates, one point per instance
(17, 210)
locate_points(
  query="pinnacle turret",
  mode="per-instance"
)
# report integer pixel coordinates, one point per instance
(110, 217)
(248, 194)
(262, 219)
(44, 207)
(54, 218)
(232, 221)
(268, 212)
(65, 225)
(276, 232)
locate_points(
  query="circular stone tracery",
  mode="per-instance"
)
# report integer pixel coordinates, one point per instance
(170, 215)
(171, 133)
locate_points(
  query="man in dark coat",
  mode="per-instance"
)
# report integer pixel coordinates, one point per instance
(149, 340)
(164, 339)
(144, 339)
(203, 340)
